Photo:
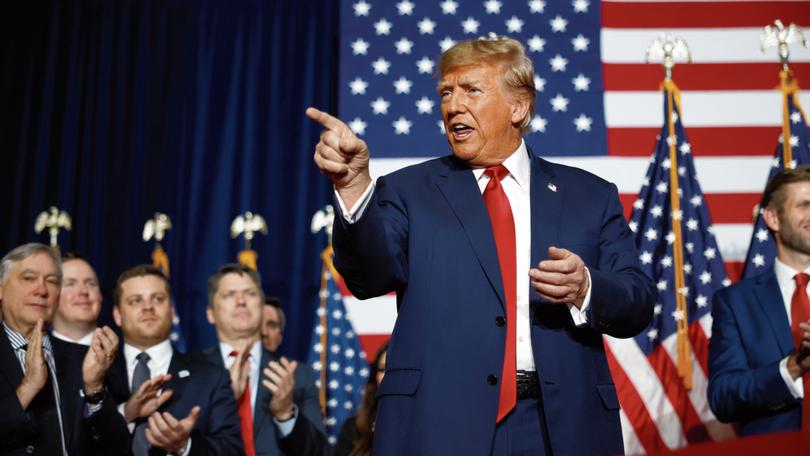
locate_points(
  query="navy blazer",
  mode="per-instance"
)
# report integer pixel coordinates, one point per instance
(104, 432)
(750, 336)
(308, 436)
(195, 381)
(427, 236)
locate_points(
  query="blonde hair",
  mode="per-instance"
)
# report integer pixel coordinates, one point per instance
(517, 72)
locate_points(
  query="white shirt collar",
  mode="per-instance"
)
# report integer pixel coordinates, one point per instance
(87, 339)
(785, 274)
(159, 353)
(225, 350)
(518, 164)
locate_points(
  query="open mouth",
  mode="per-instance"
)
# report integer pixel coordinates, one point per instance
(461, 131)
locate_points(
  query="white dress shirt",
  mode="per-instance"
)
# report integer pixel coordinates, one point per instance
(87, 339)
(518, 190)
(160, 356)
(784, 276)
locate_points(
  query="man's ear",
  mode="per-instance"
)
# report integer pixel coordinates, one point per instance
(209, 313)
(117, 316)
(771, 217)
(520, 109)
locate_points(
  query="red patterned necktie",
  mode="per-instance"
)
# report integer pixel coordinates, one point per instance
(503, 227)
(800, 312)
(245, 415)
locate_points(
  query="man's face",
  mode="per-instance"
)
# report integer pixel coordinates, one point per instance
(80, 300)
(145, 312)
(481, 118)
(271, 328)
(31, 292)
(791, 225)
(236, 309)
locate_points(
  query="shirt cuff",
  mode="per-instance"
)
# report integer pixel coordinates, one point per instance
(92, 409)
(285, 428)
(130, 426)
(354, 214)
(580, 316)
(186, 450)
(794, 386)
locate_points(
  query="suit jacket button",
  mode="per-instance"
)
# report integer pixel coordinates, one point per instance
(492, 380)
(500, 321)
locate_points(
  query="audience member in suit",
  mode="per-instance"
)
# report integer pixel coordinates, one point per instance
(175, 403)
(76, 316)
(273, 323)
(759, 368)
(278, 401)
(52, 395)
(357, 434)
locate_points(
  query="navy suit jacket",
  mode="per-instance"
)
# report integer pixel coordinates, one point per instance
(195, 381)
(103, 433)
(427, 236)
(750, 336)
(308, 436)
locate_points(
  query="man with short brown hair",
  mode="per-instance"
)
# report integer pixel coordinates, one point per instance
(273, 322)
(76, 316)
(759, 363)
(174, 402)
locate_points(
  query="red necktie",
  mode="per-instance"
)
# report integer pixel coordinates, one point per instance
(503, 227)
(245, 415)
(800, 312)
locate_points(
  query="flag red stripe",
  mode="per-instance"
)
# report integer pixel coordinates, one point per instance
(664, 367)
(734, 269)
(371, 343)
(634, 407)
(705, 141)
(697, 76)
(702, 14)
(723, 207)
(700, 346)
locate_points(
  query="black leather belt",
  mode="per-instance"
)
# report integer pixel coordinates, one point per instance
(528, 387)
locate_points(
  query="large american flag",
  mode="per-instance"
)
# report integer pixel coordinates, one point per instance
(762, 249)
(599, 104)
(658, 410)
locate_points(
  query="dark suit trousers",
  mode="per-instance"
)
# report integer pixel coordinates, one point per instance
(522, 432)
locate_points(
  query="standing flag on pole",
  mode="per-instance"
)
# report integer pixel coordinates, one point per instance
(336, 355)
(661, 374)
(156, 228)
(792, 149)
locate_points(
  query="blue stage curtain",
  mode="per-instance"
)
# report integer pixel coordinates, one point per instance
(113, 110)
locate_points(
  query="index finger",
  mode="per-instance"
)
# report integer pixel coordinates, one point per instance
(328, 121)
(564, 266)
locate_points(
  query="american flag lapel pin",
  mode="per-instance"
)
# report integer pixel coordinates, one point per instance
(183, 373)
(552, 187)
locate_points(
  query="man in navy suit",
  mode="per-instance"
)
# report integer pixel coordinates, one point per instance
(277, 398)
(173, 403)
(758, 352)
(507, 268)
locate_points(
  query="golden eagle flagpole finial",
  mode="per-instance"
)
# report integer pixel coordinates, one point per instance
(156, 228)
(248, 224)
(54, 220)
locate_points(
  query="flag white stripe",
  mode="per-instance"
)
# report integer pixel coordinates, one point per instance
(708, 45)
(701, 108)
(697, 395)
(632, 445)
(648, 386)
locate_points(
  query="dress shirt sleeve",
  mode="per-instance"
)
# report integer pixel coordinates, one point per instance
(580, 316)
(794, 386)
(285, 428)
(353, 214)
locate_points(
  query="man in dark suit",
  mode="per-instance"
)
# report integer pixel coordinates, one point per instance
(478, 363)
(52, 395)
(758, 352)
(277, 398)
(174, 403)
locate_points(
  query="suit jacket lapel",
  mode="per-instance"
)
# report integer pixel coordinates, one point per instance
(263, 395)
(458, 186)
(8, 359)
(545, 204)
(770, 300)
